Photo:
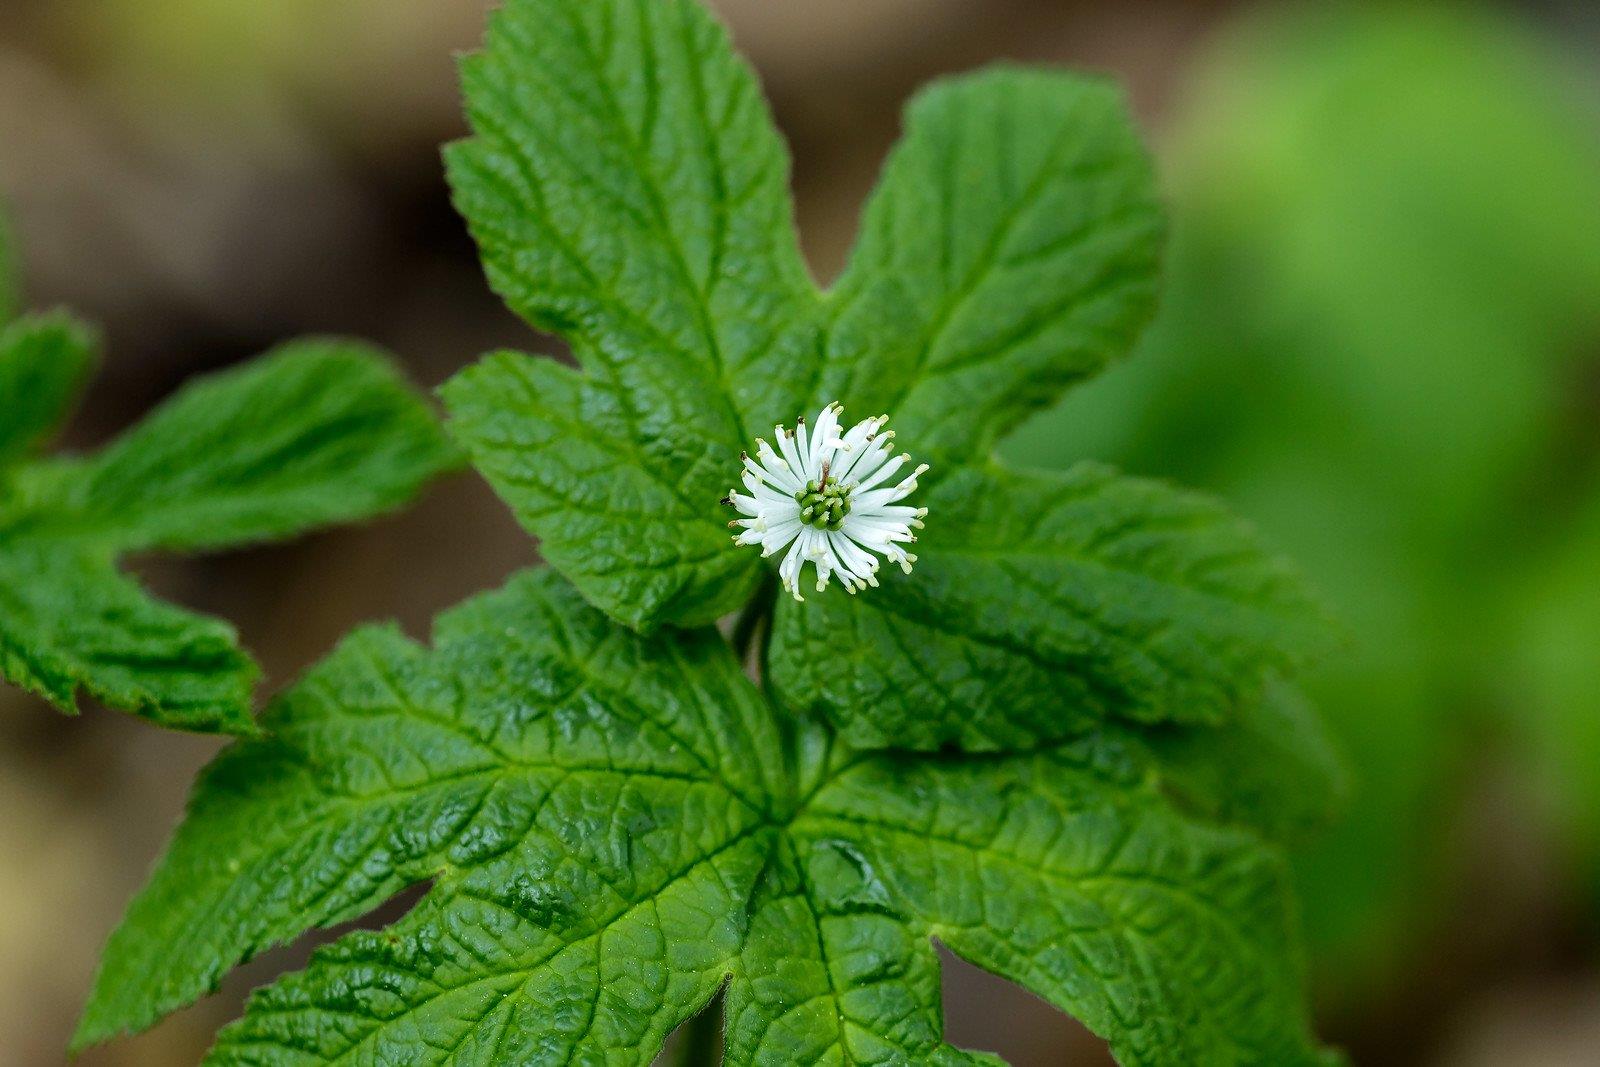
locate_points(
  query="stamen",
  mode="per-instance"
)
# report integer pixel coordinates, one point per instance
(822, 496)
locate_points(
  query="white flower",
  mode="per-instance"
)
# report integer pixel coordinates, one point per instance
(825, 496)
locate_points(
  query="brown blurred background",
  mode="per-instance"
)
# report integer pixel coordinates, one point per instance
(206, 178)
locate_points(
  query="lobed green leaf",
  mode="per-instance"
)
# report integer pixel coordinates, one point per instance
(1062, 871)
(1043, 603)
(1011, 249)
(538, 762)
(315, 433)
(615, 824)
(628, 192)
(822, 978)
(560, 450)
(613, 831)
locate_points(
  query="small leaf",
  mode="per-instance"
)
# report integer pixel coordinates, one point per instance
(1011, 249)
(561, 451)
(1042, 604)
(45, 361)
(319, 432)
(628, 192)
(69, 620)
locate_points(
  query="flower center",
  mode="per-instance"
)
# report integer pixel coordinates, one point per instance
(825, 503)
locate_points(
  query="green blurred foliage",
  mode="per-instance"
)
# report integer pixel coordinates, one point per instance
(1382, 291)
(1557, 681)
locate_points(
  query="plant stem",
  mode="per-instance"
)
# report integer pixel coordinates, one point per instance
(748, 627)
(700, 1040)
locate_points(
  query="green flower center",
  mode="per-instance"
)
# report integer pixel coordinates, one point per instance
(824, 504)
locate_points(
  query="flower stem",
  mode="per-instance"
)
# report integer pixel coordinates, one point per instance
(749, 630)
(699, 1042)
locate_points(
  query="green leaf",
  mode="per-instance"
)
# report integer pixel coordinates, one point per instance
(629, 193)
(1331, 359)
(562, 453)
(1043, 603)
(45, 361)
(69, 620)
(612, 830)
(1275, 768)
(550, 772)
(319, 432)
(1010, 249)
(314, 433)
(1550, 706)
(1062, 871)
(822, 979)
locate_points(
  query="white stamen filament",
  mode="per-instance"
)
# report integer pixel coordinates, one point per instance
(824, 495)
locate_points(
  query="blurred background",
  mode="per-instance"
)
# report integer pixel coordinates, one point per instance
(1380, 340)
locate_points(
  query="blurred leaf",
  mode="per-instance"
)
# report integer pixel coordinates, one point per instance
(68, 619)
(45, 361)
(315, 433)
(1274, 768)
(1385, 256)
(1553, 699)
(319, 432)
